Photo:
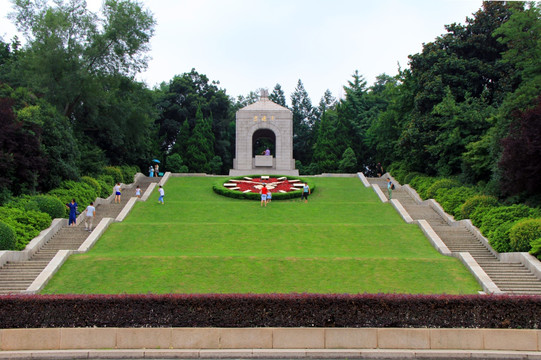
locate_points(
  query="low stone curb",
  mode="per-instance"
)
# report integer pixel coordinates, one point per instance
(270, 354)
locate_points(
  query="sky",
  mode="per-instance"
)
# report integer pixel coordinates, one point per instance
(251, 44)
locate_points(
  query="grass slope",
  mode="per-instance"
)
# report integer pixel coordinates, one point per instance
(343, 241)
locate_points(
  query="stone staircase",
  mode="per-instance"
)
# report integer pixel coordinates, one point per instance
(16, 277)
(511, 278)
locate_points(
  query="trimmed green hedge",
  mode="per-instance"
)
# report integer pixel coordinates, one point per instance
(221, 190)
(27, 224)
(523, 233)
(7, 237)
(475, 201)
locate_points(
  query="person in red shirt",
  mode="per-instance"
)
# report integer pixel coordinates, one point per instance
(263, 193)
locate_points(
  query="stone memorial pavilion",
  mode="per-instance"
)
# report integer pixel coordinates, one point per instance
(264, 140)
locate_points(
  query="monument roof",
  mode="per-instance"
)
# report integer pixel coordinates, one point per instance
(264, 104)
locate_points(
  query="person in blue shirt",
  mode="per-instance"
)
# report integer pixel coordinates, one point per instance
(72, 220)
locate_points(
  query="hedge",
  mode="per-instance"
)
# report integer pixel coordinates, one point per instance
(27, 224)
(271, 310)
(115, 173)
(523, 233)
(219, 188)
(7, 237)
(475, 201)
(536, 248)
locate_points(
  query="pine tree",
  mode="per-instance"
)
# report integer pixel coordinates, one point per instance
(277, 96)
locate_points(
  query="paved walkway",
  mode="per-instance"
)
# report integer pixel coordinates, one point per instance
(16, 277)
(511, 278)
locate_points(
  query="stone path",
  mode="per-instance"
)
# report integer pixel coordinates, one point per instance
(512, 278)
(16, 277)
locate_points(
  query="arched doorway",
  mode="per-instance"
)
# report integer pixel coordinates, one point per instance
(263, 139)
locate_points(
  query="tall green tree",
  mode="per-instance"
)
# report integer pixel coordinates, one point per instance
(277, 96)
(69, 47)
(303, 123)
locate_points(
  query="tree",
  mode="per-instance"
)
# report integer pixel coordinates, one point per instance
(277, 96)
(325, 155)
(520, 165)
(348, 163)
(200, 146)
(303, 122)
(68, 51)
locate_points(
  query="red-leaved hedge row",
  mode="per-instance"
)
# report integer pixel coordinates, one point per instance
(273, 310)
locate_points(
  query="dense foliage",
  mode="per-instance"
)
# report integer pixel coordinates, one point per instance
(466, 109)
(274, 310)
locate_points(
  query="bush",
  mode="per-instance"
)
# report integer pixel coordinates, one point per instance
(105, 189)
(49, 205)
(270, 310)
(409, 177)
(128, 173)
(115, 173)
(499, 239)
(523, 233)
(26, 224)
(421, 183)
(494, 217)
(7, 237)
(536, 248)
(452, 199)
(440, 184)
(108, 180)
(174, 163)
(475, 201)
(478, 215)
(92, 182)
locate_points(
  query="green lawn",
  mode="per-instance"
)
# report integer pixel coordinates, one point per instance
(343, 241)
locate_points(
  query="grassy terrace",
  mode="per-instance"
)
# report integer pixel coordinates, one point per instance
(343, 241)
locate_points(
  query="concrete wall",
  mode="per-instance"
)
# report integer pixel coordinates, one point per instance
(269, 338)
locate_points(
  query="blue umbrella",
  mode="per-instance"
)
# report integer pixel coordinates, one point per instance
(156, 161)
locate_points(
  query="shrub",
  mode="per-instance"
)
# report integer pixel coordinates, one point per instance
(475, 201)
(494, 217)
(536, 248)
(270, 310)
(115, 173)
(105, 189)
(440, 184)
(452, 199)
(83, 193)
(7, 237)
(499, 239)
(108, 180)
(421, 183)
(64, 196)
(92, 182)
(128, 173)
(50, 205)
(26, 224)
(523, 233)
(409, 177)
(478, 215)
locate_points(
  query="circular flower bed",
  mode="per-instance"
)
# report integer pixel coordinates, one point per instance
(248, 187)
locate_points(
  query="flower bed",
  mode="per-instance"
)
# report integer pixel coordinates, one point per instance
(248, 187)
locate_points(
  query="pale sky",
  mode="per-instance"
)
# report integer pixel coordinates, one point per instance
(252, 44)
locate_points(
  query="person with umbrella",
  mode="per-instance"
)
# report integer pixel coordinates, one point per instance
(156, 167)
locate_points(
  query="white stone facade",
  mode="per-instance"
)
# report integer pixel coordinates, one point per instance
(266, 116)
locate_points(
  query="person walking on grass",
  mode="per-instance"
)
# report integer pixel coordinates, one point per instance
(263, 193)
(72, 221)
(269, 196)
(305, 192)
(118, 192)
(162, 194)
(90, 214)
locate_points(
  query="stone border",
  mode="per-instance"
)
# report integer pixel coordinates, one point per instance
(238, 342)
